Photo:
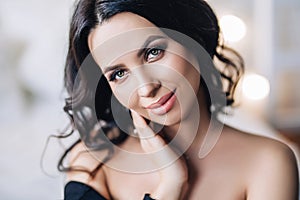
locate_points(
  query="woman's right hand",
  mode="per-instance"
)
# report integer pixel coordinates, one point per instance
(173, 183)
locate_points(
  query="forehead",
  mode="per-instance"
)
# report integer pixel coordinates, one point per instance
(116, 25)
(123, 33)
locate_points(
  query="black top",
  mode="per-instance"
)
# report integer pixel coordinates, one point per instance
(79, 191)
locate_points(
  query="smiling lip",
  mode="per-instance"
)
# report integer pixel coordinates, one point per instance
(164, 104)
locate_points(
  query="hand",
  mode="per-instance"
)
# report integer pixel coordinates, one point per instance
(174, 176)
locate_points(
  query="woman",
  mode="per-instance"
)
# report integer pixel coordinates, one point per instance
(146, 97)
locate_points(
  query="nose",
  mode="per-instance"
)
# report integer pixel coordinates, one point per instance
(148, 86)
(149, 89)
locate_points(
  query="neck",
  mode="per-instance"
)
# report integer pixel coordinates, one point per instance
(188, 136)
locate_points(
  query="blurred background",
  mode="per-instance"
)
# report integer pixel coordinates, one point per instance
(33, 46)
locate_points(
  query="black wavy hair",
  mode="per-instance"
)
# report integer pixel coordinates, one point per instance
(194, 18)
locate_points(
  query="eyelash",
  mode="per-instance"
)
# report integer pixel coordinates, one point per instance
(160, 50)
(114, 74)
(148, 52)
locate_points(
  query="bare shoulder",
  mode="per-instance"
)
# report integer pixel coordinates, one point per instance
(84, 160)
(252, 144)
(271, 170)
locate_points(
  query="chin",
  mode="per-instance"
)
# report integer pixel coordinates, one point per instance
(168, 119)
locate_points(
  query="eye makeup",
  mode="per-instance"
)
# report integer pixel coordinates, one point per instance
(153, 51)
(117, 74)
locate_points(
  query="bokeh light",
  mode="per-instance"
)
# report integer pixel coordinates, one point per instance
(255, 87)
(233, 28)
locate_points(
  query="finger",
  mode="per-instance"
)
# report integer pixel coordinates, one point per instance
(138, 121)
(159, 152)
(150, 141)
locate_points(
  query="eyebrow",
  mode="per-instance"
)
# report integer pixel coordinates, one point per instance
(140, 52)
(147, 42)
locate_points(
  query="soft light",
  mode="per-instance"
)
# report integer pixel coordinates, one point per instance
(233, 28)
(255, 87)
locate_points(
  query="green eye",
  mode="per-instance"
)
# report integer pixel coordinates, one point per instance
(117, 75)
(120, 74)
(153, 54)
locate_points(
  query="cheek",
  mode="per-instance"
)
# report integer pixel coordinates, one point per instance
(126, 95)
(186, 71)
(193, 76)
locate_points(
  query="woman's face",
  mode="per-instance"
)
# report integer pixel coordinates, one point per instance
(147, 71)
